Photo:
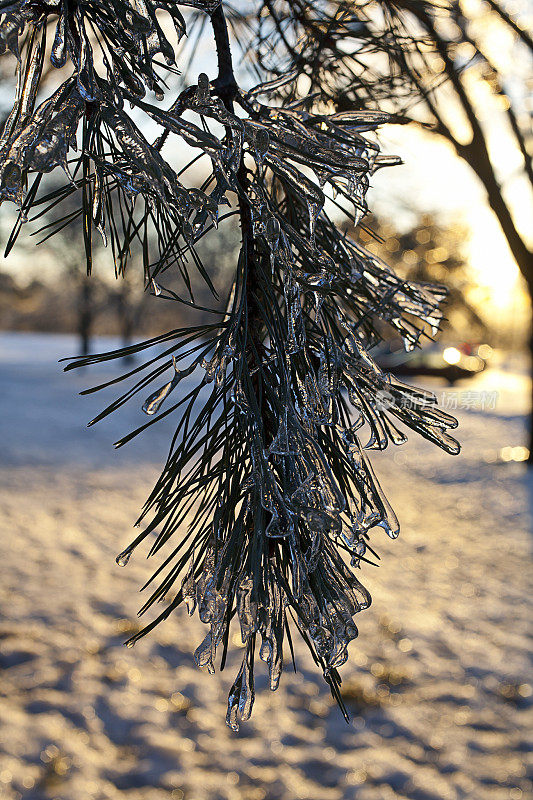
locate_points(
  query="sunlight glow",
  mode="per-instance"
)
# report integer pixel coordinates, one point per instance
(451, 355)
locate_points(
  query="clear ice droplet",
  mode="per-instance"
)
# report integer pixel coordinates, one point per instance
(152, 404)
(123, 558)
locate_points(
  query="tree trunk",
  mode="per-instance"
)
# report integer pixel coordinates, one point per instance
(477, 157)
(479, 160)
(85, 315)
(125, 319)
(530, 419)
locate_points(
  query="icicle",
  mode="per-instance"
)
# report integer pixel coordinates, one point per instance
(204, 93)
(211, 368)
(314, 210)
(238, 397)
(204, 653)
(281, 443)
(153, 403)
(58, 55)
(261, 143)
(246, 610)
(269, 86)
(272, 231)
(188, 588)
(123, 558)
(11, 183)
(247, 694)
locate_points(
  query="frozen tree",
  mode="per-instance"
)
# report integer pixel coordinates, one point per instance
(268, 498)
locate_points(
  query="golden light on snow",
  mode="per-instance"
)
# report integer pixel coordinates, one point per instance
(517, 453)
(485, 351)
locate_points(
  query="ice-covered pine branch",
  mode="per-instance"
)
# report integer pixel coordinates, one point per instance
(268, 498)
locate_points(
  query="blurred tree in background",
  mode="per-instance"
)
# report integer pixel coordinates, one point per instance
(59, 297)
(431, 252)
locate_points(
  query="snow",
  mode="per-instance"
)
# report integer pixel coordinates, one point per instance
(438, 682)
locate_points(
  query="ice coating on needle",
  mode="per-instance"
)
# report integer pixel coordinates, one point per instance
(268, 496)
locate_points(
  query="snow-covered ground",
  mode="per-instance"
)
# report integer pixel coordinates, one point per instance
(438, 684)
